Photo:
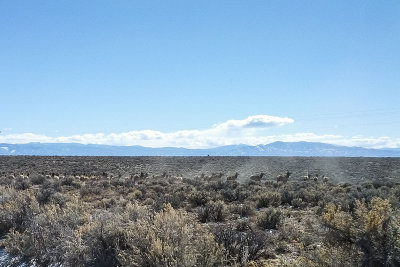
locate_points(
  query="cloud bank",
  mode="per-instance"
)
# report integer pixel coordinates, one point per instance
(250, 131)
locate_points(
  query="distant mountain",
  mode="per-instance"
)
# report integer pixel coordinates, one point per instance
(305, 149)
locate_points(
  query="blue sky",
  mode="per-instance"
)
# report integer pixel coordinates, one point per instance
(160, 73)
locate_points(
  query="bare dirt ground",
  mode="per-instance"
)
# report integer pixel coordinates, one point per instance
(352, 170)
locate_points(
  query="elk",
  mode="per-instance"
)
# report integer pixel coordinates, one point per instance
(84, 177)
(213, 177)
(283, 178)
(175, 179)
(140, 177)
(22, 176)
(232, 177)
(307, 177)
(256, 177)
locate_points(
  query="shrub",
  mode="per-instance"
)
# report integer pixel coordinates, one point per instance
(373, 219)
(213, 212)
(244, 210)
(21, 183)
(371, 229)
(171, 238)
(340, 224)
(241, 247)
(58, 199)
(243, 226)
(282, 248)
(287, 196)
(334, 256)
(235, 194)
(37, 179)
(89, 190)
(43, 236)
(199, 198)
(67, 180)
(269, 219)
(298, 203)
(269, 199)
(176, 200)
(134, 211)
(16, 209)
(44, 195)
(48, 188)
(378, 233)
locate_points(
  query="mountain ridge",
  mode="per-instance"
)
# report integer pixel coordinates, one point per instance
(279, 148)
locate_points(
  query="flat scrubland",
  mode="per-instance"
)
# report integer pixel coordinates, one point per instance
(199, 211)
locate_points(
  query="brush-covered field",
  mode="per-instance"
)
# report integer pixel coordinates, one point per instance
(199, 211)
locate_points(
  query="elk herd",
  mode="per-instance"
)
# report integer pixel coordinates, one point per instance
(140, 177)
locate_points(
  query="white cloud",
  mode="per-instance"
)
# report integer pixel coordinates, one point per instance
(251, 131)
(257, 121)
